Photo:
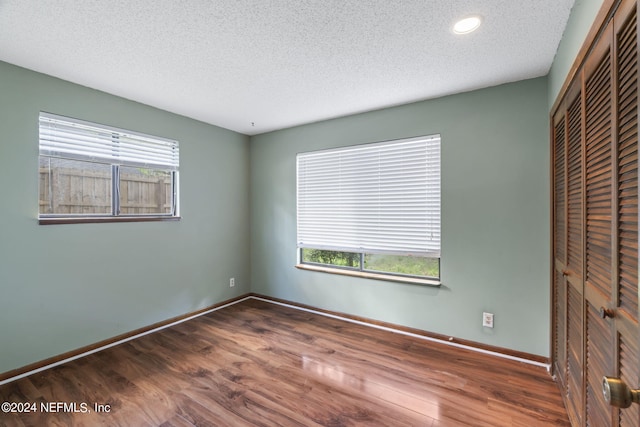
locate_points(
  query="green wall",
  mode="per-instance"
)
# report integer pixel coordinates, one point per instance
(495, 217)
(66, 286)
(582, 16)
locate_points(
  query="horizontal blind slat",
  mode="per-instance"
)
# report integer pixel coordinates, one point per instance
(378, 198)
(68, 138)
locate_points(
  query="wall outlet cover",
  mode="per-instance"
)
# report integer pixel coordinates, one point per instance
(487, 320)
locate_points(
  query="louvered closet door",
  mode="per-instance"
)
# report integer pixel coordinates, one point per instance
(600, 337)
(611, 187)
(595, 226)
(575, 255)
(560, 248)
(625, 292)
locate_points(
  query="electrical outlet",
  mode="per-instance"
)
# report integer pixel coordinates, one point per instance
(232, 282)
(487, 320)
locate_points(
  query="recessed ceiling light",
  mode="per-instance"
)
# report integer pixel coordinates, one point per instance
(467, 25)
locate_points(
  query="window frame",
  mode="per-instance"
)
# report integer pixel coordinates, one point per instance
(361, 270)
(115, 164)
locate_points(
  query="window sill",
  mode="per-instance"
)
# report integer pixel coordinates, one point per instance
(370, 275)
(99, 219)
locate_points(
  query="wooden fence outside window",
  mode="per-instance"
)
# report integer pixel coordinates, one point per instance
(74, 191)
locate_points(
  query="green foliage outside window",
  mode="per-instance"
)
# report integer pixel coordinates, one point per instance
(394, 264)
(343, 259)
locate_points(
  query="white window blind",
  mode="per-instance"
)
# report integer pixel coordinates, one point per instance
(372, 198)
(75, 139)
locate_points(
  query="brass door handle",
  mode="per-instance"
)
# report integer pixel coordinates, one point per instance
(606, 312)
(617, 393)
(565, 273)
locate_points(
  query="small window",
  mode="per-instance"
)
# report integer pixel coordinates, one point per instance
(372, 208)
(93, 172)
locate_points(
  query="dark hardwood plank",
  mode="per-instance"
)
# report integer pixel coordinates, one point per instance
(257, 363)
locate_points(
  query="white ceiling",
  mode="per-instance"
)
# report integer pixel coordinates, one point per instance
(280, 63)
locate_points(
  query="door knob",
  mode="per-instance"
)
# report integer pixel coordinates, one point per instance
(606, 312)
(617, 393)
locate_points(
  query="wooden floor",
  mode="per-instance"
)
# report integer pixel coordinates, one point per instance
(257, 363)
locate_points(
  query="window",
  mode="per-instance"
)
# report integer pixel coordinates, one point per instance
(372, 208)
(90, 172)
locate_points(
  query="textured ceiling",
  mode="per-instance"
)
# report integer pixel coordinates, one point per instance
(280, 63)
